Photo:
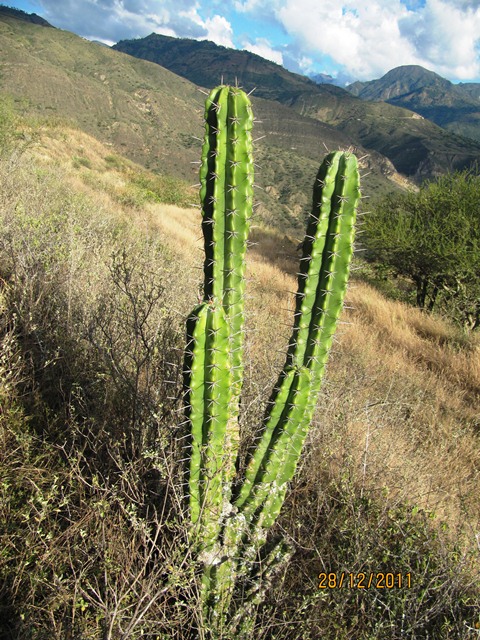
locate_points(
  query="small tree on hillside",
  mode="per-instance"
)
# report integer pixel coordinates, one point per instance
(433, 238)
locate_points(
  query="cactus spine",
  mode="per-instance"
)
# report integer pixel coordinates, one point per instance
(229, 531)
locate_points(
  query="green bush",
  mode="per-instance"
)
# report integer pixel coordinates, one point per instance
(433, 238)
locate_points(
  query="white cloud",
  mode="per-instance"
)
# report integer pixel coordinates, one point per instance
(113, 20)
(219, 30)
(369, 37)
(266, 7)
(446, 34)
(263, 48)
(306, 64)
(216, 28)
(362, 36)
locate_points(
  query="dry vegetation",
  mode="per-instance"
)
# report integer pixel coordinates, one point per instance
(94, 290)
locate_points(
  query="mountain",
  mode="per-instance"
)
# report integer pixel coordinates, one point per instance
(154, 117)
(22, 15)
(322, 78)
(470, 88)
(144, 111)
(454, 107)
(399, 82)
(416, 147)
(342, 80)
(205, 64)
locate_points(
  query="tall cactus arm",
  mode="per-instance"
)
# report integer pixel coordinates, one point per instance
(226, 192)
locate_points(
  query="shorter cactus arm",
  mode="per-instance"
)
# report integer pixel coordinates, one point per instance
(262, 502)
(328, 249)
(208, 410)
(218, 381)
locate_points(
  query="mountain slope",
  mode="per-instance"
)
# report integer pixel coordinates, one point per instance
(23, 15)
(416, 147)
(470, 88)
(206, 64)
(153, 116)
(453, 107)
(143, 110)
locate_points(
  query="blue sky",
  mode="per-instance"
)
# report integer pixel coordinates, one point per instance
(356, 39)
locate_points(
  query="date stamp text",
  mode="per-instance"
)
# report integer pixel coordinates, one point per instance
(361, 580)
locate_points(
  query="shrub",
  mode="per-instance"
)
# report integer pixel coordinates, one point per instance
(433, 238)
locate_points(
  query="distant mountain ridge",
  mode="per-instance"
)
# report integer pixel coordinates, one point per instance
(416, 147)
(456, 107)
(206, 64)
(341, 80)
(149, 112)
(23, 15)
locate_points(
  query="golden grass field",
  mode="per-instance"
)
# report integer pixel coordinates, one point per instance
(92, 423)
(401, 395)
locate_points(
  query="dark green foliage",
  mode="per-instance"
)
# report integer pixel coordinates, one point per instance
(433, 238)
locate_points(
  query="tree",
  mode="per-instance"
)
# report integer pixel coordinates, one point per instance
(433, 238)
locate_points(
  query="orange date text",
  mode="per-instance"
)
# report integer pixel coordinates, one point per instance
(364, 580)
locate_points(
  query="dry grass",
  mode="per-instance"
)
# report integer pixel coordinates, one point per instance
(398, 413)
(402, 390)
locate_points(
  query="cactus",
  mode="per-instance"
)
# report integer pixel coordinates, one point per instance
(229, 525)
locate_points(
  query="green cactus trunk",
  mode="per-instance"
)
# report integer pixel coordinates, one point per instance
(214, 355)
(229, 532)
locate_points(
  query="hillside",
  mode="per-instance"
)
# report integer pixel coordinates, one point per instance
(417, 148)
(97, 275)
(470, 88)
(144, 110)
(454, 107)
(23, 15)
(154, 116)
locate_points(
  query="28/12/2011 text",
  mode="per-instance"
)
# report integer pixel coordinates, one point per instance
(371, 580)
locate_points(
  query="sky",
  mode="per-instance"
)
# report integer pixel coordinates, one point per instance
(349, 40)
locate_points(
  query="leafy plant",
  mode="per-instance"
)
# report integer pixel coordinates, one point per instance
(231, 516)
(432, 237)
